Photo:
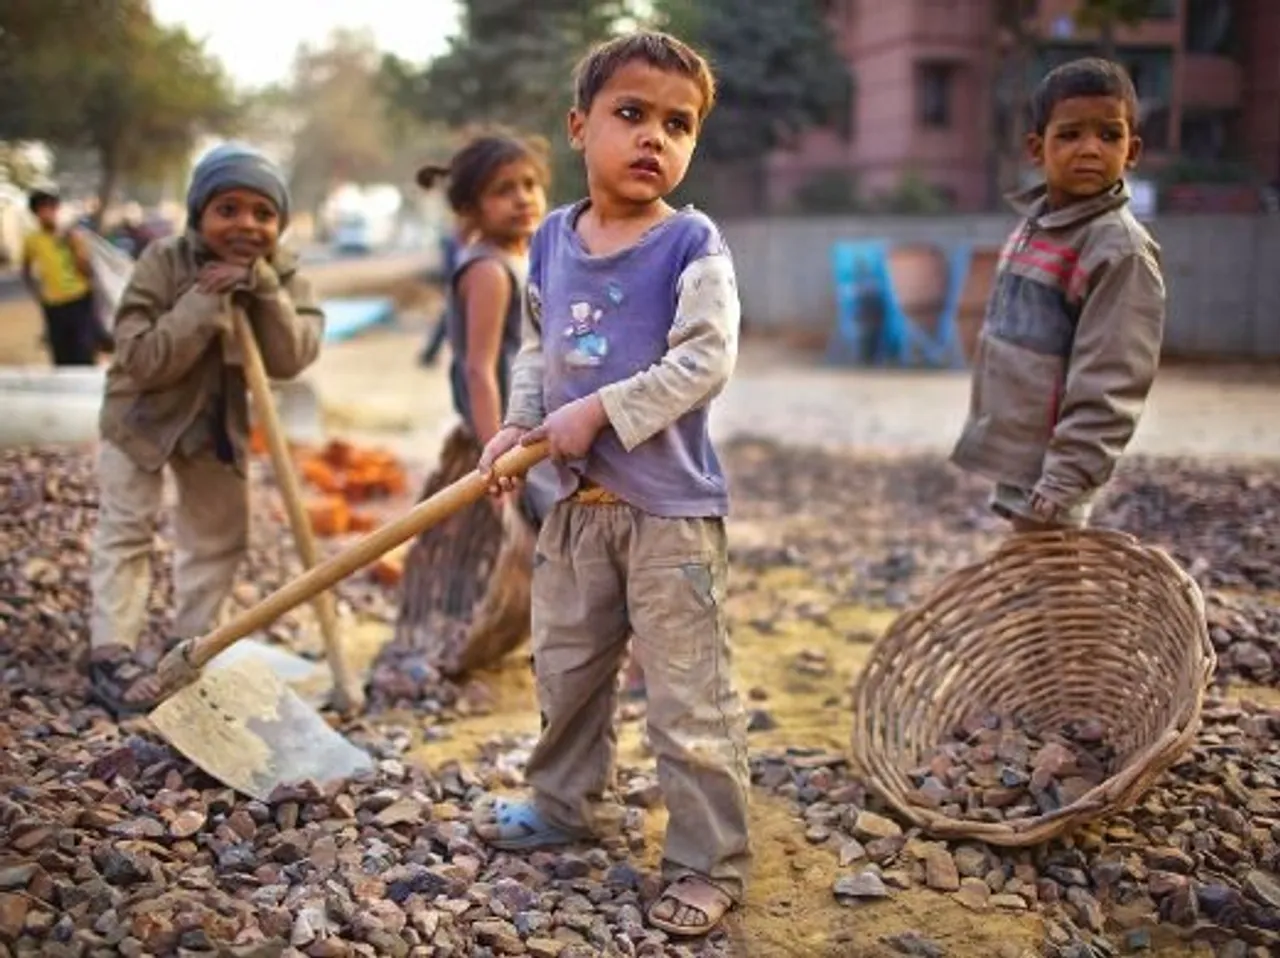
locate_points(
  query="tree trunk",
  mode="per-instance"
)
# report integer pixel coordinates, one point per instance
(1107, 40)
(108, 181)
(994, 146)
(1011, 15)
(1015, 135)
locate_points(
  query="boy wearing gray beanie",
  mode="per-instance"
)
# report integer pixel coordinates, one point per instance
(176, 396)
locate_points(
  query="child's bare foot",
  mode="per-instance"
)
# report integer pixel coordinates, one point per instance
(512, 825)
(690, 906)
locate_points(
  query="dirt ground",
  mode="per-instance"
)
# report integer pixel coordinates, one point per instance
(373, 390)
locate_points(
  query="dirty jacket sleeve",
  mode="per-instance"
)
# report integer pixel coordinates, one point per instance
(702, 350)
(1109, 375)
(287, 321)
(526, 406)
(160, 335)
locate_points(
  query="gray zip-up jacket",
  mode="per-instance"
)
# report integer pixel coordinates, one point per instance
(1069, 348)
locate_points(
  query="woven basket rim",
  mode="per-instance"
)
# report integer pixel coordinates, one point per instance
(1123, 785)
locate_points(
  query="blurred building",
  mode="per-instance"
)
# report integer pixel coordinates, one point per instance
(935, 83)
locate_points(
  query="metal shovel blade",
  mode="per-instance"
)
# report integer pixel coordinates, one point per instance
(247, 728)
(313, 681)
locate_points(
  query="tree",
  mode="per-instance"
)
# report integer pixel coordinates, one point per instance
(778, 73)
(1106, 15)
(341, 133)
(777, 68)
(1014, 40)
(509, 65)
(103, 75)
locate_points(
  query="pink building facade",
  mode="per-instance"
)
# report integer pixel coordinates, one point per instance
(927, 74)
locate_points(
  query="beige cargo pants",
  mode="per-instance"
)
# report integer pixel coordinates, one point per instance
(211, 532)
(603, 573)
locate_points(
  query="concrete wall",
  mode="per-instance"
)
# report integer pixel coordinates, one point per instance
(1223, 273)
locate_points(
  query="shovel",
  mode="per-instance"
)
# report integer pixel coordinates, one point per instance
(245, 726)
(348, 691)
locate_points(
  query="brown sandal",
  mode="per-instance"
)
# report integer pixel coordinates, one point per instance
(118, 680)
(691, 893)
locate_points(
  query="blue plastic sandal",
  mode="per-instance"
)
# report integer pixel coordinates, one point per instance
(520, 826)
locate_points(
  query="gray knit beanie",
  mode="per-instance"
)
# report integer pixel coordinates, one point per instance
(235, 166)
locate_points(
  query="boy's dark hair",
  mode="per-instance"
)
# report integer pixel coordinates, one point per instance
(660, 50)
(39, 199)
(1088, 76)
(472, 167)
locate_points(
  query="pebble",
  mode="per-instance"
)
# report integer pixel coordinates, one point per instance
(850, 852)
(870, 826)
(544, 947)
(1139, 939)
(643, 793)
(17, 876)
(914, 944)
(1264, 888)
(997, 767)
(1009, 902)
(973, 894)
(863, 885)
(941, 873)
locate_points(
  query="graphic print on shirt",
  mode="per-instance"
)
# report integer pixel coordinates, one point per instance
(589, 345)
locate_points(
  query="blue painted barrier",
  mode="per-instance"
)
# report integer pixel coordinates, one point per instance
(861, 278)
(871, 326)
(345, 318)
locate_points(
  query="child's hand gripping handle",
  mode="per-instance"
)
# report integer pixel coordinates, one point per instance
(183, 664)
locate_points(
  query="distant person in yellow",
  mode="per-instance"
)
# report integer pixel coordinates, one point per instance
(56, 268)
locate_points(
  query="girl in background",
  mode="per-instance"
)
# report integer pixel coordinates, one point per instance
(466, 587)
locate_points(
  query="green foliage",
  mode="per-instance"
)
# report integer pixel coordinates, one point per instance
(341, 132)
(510, 65)
(1100, 14)
(1014, 20)
(104, 75)
(778, 69)
(1106, 15)
(512, 62)
(1183, 170)
(829, 192)
(914, 196)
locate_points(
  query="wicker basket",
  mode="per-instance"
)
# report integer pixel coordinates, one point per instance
(1051, 627)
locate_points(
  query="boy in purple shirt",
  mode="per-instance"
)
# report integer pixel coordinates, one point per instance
(631, 329)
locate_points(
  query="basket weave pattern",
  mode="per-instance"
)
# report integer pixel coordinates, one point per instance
(1051, 627)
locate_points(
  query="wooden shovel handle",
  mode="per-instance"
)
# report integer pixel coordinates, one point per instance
(449, 500)
(348, 693)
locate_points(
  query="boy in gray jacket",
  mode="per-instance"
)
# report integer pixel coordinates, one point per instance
(1071, 340)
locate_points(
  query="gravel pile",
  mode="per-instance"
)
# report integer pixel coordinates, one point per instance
(112, 843)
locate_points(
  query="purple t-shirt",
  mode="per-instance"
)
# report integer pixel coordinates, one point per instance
(605, 319)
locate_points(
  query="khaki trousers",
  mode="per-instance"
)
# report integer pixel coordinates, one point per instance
(602, 574)
(211, 533)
